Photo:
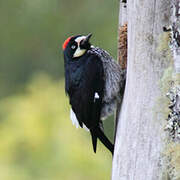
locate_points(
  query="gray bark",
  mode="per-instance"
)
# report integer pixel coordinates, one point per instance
(122, 14)
(140, 131)
(176, 34)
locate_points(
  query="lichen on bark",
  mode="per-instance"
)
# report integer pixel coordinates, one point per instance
(175, 28)
(173, 125)
(172, 150)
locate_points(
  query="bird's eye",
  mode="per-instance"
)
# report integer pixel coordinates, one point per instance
(73, 47)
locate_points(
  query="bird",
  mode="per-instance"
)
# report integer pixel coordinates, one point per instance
(94, 83)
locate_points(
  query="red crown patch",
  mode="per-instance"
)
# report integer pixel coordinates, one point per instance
(66, 43)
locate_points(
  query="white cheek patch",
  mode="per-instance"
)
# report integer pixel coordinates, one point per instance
(75, 121)
(79, 52)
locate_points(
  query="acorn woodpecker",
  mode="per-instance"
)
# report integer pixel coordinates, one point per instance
(94, 83)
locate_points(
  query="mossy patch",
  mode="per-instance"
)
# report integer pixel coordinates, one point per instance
(163, 45)
(172, 154)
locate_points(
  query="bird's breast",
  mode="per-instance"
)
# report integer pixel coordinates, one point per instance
(75, 75)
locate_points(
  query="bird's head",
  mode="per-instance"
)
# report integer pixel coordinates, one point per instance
(76, 46)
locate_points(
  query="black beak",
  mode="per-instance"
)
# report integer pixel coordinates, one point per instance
(88, 37)
(85, 43)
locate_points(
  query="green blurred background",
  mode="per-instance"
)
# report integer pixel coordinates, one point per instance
(38, 140)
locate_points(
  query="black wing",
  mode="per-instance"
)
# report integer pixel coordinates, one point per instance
(86, 100)
(82, 98)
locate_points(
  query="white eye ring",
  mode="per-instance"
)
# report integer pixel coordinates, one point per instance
(73, 47)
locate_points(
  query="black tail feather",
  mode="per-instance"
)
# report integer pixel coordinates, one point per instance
(102, 137)
(96, 127)
(94, 140)
(98, 133)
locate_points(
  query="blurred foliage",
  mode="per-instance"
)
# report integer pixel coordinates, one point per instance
(38, 140)
(33, 31)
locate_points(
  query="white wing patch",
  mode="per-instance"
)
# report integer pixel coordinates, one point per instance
(75, 121)
(96, 95)
(84, 127)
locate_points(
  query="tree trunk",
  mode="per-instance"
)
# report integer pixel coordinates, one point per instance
(142, 144)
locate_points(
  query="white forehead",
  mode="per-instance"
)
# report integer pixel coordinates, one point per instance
(79, 39)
